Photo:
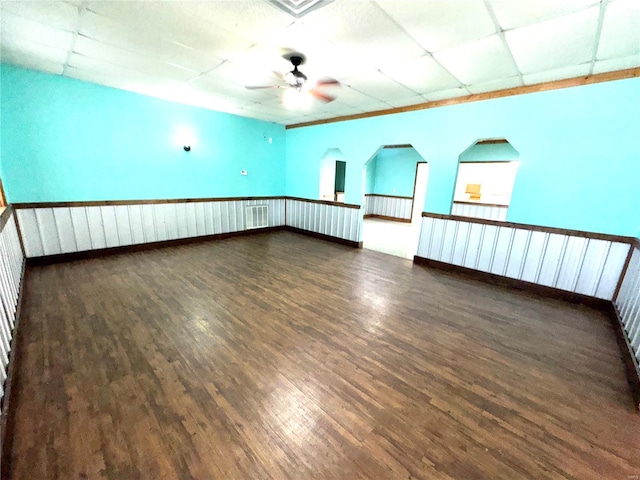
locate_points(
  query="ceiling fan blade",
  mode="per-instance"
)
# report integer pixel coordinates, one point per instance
(257, 87)
(327, 81)
(322, 96)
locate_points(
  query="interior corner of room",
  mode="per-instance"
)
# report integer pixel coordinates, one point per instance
(350, 269)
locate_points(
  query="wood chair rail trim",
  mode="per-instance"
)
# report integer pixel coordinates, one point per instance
(535, 228)
(509, 92)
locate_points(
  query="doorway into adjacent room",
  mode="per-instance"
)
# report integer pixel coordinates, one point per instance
(395, 186)
(333, 171)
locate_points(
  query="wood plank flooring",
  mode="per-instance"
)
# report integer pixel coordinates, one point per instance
(278, 356)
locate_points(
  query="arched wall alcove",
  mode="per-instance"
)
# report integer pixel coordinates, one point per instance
(565, 139)
(487, 172)
(327, 173)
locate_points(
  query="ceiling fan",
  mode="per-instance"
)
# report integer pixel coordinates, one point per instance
(297, 80)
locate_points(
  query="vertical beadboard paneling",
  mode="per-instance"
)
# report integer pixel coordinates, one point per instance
(123, 225)
(573, 257)
(587, 266)
(502, 250)
(65, 232)
(488, 212)
(591, 268)
(628, 302)
(30, 233)
(96, 228)
(611, 270)
(395, 207)
(533, 258)
(148, 223)
(50, 231)
(80, 228)
(517, 255)
(46, 222)
(11, 261)
(110, 225)
(487, 247)
(551, 259)
(135, 219)
(333, 220)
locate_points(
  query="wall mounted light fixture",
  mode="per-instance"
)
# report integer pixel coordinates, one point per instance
(185, 138)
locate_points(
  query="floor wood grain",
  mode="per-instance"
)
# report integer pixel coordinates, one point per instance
(279, 356)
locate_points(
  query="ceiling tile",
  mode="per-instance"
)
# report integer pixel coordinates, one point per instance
(141, 83)
(276, 109)
(27, 61)
(620, 63)
(378, 85)
(422, 75)
(557, 74)
(17, 46)
(478, 62)
(336, 108)
(535, 48)
(404, 102)
(444, 94)
(620, 36)
(354, 98)
(53, 13)
(171, 21)
(14, 28)
(265, 117)
(210, 83)
(254, 66)
(253, 20)
(135, 61)
(146, 42)
(496, 85)
(431, 22)
(514, 14)
(204, 53)
(312, 117)
(82, 67)
(364, 32)
(374, 107)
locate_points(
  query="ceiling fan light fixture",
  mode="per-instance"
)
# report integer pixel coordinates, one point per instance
(296, 99)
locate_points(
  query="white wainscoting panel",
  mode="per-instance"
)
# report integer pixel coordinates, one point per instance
(388, 206)
(587, 266)
(333, 220)
(51, 231)
(11, 260)
(628, 302)
(489, 212)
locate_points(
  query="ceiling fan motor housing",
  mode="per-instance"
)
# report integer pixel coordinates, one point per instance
(297, 74)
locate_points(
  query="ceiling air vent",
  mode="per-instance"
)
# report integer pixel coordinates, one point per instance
(299, 8)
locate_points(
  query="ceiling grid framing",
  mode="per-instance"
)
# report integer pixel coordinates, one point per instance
(386, 53)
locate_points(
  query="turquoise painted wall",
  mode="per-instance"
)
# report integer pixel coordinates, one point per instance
(67, 140)
(396, 171)
(489, 153)
(579, 151)
(370, 180)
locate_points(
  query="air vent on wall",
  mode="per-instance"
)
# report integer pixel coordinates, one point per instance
(257, 216)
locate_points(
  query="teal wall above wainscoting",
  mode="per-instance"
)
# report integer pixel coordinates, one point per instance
(489, 152)
(67, 140)
(394, 171)
(578, 151)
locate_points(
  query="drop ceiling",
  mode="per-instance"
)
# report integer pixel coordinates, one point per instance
(385, 53)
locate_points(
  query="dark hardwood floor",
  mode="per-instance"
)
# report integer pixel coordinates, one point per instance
(282, 356)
